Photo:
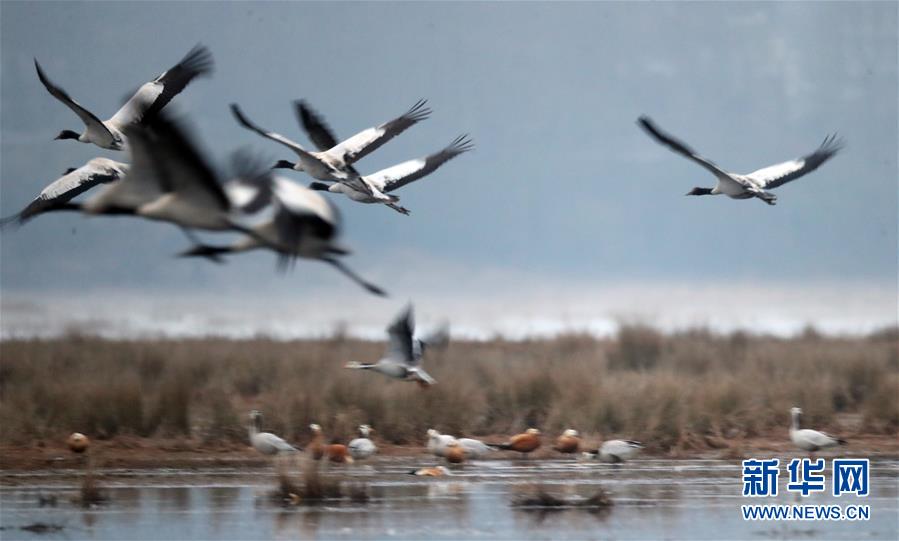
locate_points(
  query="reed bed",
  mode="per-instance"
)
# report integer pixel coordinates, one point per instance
(674, 391)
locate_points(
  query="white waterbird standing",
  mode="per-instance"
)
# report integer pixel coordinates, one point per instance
(808, 439)
(362, 447)
(615, 451)
(266, 442)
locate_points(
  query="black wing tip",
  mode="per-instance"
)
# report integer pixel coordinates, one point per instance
(15, 221)
(40, 73)
(462, 143)
(419, 111)
(308, 115)
(648, 124)
(198, 60)
(832, 144)
(375, 290)
(250, 167)
(241, 118)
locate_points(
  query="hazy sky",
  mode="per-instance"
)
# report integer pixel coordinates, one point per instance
(564, 207)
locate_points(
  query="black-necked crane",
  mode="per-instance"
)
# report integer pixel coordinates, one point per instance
(397, 176)
(303, 225)
(755, 184)
(149, 99)
(58, 195)
(336, 164)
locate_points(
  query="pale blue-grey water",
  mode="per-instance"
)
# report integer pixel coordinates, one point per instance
(653, 499)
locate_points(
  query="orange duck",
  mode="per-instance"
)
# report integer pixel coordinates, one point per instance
(526, 442)
(569, 442)
(454, 453)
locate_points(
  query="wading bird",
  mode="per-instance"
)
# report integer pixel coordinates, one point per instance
(754, 184)
(615, 451)
(524, 443)
(149, 99)
(403, 358)
(266, 442)
(393, 178)
(807, 439)
(362, 447)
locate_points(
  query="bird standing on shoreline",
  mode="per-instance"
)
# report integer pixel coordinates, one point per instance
(807, 439)
(524, 443)
(569, 442)
(362, 447)
(266, 442)
(615, 451)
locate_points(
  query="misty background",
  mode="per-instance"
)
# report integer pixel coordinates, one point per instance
(565, 217)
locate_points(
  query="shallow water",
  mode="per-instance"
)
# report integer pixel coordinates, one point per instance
(653, 499)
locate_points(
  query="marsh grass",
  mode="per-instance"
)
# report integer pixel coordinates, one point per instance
(316, 486)
(689, 390)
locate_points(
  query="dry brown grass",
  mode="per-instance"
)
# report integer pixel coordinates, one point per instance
(674, 392)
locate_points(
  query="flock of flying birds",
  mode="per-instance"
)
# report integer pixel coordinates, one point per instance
(170, 180)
